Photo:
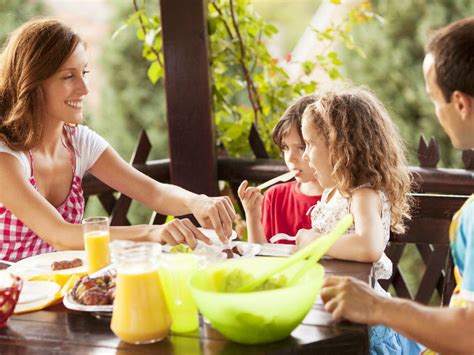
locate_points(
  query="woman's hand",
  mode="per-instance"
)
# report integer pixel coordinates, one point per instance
(350, 299)
(252, 200)
(216, 213)
(178, 231)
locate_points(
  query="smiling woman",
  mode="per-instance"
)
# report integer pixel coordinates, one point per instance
(65, 91)
(45, 152)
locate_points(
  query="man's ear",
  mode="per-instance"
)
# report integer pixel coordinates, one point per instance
(463, 103)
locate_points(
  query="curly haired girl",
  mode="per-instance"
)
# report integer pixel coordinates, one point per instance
(358, 157)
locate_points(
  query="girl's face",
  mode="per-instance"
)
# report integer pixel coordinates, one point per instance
(317, 154)
(292, 150)
(65, 91)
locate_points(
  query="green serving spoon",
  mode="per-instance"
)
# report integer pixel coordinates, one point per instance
(314, 251)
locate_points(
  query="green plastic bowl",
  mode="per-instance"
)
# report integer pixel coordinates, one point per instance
(256, 317)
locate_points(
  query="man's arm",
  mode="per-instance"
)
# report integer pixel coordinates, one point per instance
(446, 330)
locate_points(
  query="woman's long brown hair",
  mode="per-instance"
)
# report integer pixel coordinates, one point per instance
(33, 53)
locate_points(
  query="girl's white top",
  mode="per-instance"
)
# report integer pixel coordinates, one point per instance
(325, 214)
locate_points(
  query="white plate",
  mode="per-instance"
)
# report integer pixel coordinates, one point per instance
(41, 264)
(268, 249)
(212, 235)
(248, 249)
(36, 294)
(33, 291)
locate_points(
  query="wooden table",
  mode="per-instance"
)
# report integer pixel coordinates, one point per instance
(58, 330)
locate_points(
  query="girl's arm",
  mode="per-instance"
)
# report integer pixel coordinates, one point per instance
(366, 244)
(252, 199)
(27, 204)
(211, 212)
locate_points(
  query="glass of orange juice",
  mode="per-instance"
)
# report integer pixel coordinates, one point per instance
(140, 315)
(96, 242)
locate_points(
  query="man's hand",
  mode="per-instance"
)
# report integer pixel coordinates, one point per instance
(350, 299)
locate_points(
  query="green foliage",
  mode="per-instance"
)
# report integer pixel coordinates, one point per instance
(129, 100)
(249, 85)
(15, 12)
(129, 103)
(395, 49)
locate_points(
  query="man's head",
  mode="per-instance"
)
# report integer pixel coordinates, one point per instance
(449, 75)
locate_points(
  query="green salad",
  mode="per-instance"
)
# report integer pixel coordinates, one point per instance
(230, 281)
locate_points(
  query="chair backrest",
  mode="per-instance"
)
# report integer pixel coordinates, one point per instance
(428, 231)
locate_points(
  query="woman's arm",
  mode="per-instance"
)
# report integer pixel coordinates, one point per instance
(366, 244)
(211, 212)
(28, 205)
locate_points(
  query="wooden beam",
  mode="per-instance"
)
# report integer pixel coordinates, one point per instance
(443, 181)
(188, 95)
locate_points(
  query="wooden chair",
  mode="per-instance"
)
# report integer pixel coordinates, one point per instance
(428, 231)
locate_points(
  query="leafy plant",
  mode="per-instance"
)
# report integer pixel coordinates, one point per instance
(250, 87)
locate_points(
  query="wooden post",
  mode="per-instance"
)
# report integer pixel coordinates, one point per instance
(188, 95)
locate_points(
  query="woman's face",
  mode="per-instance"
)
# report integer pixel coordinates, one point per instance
(317, 154)
(65, 91)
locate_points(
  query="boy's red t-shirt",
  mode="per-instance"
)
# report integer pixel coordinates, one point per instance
(284, 210)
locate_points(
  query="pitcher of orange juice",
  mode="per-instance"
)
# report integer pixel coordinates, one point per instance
(96, 242)
(139, 315)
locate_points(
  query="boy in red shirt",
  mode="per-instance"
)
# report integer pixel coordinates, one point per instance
(284, 207)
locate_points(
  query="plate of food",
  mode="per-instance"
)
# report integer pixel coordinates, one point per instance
(61, 262)
(93, 293)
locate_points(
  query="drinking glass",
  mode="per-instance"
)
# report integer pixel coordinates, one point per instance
(175, 271)
(96, 242)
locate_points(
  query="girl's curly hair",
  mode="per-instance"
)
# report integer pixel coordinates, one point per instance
(33, 53)
(365, 147)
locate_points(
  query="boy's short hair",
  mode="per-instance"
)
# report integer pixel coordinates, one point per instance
(453, 50)
(292, 118)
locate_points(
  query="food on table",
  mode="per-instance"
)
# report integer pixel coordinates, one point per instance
(95, 291)
(181, 248)
(230, 281)
(232, 252)
(66, 264)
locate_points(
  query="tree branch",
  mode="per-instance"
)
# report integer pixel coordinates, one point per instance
(142, 25)
(251, 90)
(248, 78)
